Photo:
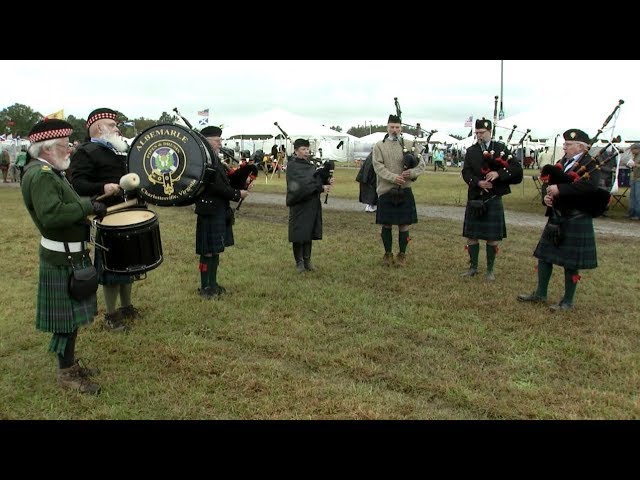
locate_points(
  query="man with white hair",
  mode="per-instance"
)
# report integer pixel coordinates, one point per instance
(61, 217)
(97, 166)
(568, 239)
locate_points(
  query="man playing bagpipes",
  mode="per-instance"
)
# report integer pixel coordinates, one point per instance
(572, 197)
(305, 183)
(396, 169)
(488, 170)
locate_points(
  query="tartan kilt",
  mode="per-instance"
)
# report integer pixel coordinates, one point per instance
(403, 214)
(491, 226)
(578, 249)
(56, 311)
(213, 234)
(105, 277)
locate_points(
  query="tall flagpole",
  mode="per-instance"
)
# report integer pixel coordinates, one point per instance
(501, 115)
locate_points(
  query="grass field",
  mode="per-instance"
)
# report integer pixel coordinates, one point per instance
(352, 340)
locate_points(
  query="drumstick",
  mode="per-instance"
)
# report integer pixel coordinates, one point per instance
(128, 182)
(119, 206)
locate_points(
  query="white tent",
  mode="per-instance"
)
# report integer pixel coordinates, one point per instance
(335, 145)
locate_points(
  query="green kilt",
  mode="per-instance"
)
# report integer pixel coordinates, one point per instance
(403, 214)
(491, 226)
(213, 233)
(56, 311)
(578, 249)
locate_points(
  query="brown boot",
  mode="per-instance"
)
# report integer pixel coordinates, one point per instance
(113, 321)
(401, 260)
(86, 371)
(387, 260)
(73, 379)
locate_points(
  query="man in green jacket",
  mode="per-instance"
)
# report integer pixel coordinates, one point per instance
(61, 218)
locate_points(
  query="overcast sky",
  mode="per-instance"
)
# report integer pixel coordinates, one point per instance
(437, 93)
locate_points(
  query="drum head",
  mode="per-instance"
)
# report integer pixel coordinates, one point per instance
(127, 217)
(171, 162)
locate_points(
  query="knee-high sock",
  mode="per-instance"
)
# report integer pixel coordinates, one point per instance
(111, 293)
(386, 239)
(474, 252)
(403, 240)
(297, 251)
(66, 360)
(212, 268)
(125, 294)
(203, 266)
(306, 251)
(545, 269)
(570, 285)
(492, 251)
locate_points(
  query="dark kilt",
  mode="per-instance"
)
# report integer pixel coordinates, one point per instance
(56, 311)
(403, 214)
(489, 227)
(213, 234)
(105, 277)
(577, 250)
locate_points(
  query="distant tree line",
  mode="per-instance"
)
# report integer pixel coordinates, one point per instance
(18, 120)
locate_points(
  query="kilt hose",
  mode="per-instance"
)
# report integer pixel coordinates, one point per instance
(403, 214)
(578, 249)
(491, 226)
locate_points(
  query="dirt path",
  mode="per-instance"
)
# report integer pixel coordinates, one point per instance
(602, 226)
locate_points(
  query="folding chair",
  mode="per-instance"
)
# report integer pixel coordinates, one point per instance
(617, 199)
(536, 182)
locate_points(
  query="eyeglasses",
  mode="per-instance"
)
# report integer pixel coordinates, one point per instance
(64, 146)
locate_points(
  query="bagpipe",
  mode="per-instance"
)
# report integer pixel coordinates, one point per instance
(596, 202)
(241, 177)
(325, 174)
(409, 159)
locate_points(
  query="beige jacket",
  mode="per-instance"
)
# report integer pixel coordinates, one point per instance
(388, 159)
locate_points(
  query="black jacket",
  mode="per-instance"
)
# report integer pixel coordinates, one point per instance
(92, 166)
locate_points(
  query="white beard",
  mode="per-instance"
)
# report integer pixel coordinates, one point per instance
(65, 164)
(117, 142)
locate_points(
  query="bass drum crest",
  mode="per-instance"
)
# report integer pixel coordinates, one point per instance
(171, 162)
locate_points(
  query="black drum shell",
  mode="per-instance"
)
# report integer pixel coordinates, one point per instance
(171, 161)
(134, 245)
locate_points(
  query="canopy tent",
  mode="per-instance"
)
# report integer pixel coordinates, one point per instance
(547, 121)
(335, 145)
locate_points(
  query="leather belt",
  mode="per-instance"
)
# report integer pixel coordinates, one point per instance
(55, 246)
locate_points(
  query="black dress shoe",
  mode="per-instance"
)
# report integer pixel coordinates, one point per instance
(560, 307)
(524, 297)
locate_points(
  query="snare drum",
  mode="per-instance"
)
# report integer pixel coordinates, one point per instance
(131, 241)
(171, 162)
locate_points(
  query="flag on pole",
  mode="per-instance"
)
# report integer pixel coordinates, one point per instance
(204, 113)
(59, 115)
(469, 121)
(129, 124)
(204, 121)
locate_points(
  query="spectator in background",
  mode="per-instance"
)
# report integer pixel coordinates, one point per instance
(5, 161)
(368, 181)
(21, 160)
(634, 198)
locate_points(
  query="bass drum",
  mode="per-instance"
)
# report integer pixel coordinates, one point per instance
(130, 241)
(172, 162)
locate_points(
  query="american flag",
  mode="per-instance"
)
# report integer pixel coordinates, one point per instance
(204, 113)
(469, 121)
